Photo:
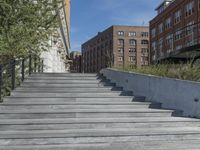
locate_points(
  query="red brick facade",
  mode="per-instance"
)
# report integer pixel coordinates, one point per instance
(76, 65)
(174, 28)
(116, 46)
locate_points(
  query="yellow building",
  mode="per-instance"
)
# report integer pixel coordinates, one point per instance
(65, 24)
(56, 59)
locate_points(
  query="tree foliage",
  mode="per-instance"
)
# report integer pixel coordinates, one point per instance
(26, 25)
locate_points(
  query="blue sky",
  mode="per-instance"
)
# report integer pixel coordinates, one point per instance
(91, 16)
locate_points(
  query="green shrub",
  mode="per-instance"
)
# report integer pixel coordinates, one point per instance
(177, 71)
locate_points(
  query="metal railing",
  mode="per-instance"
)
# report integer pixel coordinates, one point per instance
(13, 73)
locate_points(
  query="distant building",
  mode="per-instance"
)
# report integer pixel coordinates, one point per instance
(73, 54)
(175, 32)
(122, 46)
(76, 64)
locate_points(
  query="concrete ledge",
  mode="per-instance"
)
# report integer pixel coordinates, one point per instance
(172, 93)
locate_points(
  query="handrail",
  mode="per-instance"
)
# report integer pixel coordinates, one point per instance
(13, 72)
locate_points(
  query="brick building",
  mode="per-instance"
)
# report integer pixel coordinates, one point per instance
(76, 64)
(116, 46)
(175, 31)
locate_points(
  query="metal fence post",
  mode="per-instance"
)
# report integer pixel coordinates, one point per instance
(39, 65)
(35, 64)
(23, 67)
(1, 82)
(13, 73)
(42, 65)
(30, 65)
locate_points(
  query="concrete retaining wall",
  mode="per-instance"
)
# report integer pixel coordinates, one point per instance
(172, 93)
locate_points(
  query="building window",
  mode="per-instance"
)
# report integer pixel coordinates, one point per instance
(120, 50)
(160, 28)
(160, 46)
(189, 9)
(153, 57)
(132, 50)
(132, 42)
(177, 17)
(121, 33)
(121, 42)
(144, 34)
(145, 42)
(168, 23)
(178, 47)
(178, 34)
(144, 50)
(131, 59)
(144, 61)
(153, 32)
(169, 42)
(132, 34)
(190, 27)
(120, 58)
(153, 46)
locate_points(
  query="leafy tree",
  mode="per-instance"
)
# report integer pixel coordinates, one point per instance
(26, 25)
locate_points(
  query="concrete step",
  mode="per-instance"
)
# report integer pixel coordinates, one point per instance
(63, 75)
(79, 106)
(78, 85)
(83, 89)
(52, 111)
(123, 93)
(50, 100)
(92, 103)
(96, 146)
(55, 81)
(82, 113)
(37, 142)
(152, 145)
(72, 95)
(98, 120)
(94, 125)
(91, 134)
(63, 78)
(157, 145)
